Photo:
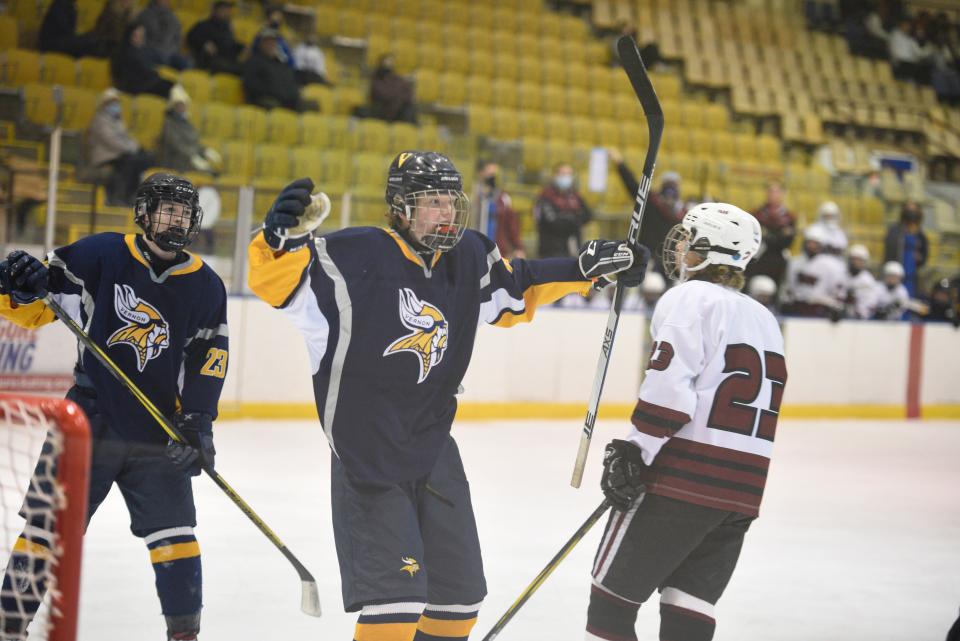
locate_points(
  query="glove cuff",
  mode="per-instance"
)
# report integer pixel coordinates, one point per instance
(277, 242)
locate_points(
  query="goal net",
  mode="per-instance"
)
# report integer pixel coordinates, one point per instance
(44, 475)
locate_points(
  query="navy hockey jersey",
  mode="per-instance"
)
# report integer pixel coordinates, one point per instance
(390, 337)
(167, 332)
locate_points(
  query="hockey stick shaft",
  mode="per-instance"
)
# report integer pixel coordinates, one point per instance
(547, 571)
(637, 73)
(310, 597)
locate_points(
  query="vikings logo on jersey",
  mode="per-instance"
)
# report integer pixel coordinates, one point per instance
(146, 330)
(428, 337)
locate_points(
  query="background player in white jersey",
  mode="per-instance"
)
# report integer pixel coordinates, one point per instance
(828, 226)
(686, 482)
(818, 286)
(893, 299)
(862, 291)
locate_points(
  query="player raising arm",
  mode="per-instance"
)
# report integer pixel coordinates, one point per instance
(161, 315)
(390, 316)
(686, 482)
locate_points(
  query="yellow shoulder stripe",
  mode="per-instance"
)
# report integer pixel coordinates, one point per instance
(31, 316)
(274, 276)
(537, 295)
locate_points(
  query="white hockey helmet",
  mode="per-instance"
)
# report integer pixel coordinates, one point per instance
(859, 251)
(761, 286)
(722, 234)
(893, 268)
(815, 233)
(829, 212)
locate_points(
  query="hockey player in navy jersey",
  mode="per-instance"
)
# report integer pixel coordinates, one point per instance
(161, 315)
(390, 316)
(687, 480)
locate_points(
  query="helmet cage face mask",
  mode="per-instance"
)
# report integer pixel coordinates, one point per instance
(170, 223)
(437, 217)
(720, 234)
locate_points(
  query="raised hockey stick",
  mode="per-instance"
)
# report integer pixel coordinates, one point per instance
(547, 571)
(637, 73)
(310, 595)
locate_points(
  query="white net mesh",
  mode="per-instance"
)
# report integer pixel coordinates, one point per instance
(29, 442)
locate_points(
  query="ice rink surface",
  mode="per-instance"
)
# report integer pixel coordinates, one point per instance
(858, 537)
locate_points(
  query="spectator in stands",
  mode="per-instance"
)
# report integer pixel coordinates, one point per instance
(828, 219)
(163, 35)
(945, 76)
(178, 146)
(132, 71)
(110, 145)
(910, 60)
(58, 31)
(391, 95)
(763, 290)
(862, 292)
(907, 245)
(560, 213)
(944, 301)
(665, 207)
(111, 24)
(268, 81)
(495, 214)
(865, 33)
(274, 22)
(893, 300)
(779, 230)
(310, 62)
(212, 43)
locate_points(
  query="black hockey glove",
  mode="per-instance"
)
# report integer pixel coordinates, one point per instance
(24, 277)
(622, 480)
(600, 260)
(198, 451)
(289, 206)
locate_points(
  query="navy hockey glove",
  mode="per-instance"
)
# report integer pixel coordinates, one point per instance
(24, 277)
(602, 259)
(198, 451)
(289, 206)
(622, 479)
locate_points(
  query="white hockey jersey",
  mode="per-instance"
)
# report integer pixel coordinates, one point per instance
(863, 292)
(821, 281)
(892, 303)
(708, 407)
(835, 239)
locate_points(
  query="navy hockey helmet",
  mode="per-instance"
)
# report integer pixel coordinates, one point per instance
(425, 189)
(167, 209)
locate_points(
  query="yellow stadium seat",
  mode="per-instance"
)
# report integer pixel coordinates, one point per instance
(336, 169)
(528, 22)
(481, 17)
(38, 104)
(326, 20)
(272, 161)
(347, 99)
(251, 123)
(93, 73)
(608, 132)
(534, 154)
(283, 127)
(505, 67)
(481, 64)
(481, 119)
(454, 34)
(431, 139)
(430, 56)
(578, 75)
(701, 141)
(584, 131)
(558, 127)
(227, 89)
(325, 131)
(554, 99)
(8, 32)
(453, 89)
(456, 13)
(504, 93)
(529, 96)
(480, 91)
(216, 121)
(626, 108)
(505, 124)
(716, 117)
(375, 24)
(197, 84)
(602, 79)
(769, 150)
(601, 104)
(321, 94)
(351, 24)
(403, 135)
(578, 102)
(457, 59)
(723, 144)
(20, 67)
(504, 43)
(369, 135)
(428, 85)
(504, 19)
(58, 69)
(370, 168)
(530, 69)
(532, 124)
(237, 158)
(554, 72)
(551, 25)
(147, 118)
(79, 106)
(551, 49)
(633, 135)
(692, 114)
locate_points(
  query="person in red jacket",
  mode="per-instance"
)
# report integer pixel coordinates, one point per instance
(496, 216)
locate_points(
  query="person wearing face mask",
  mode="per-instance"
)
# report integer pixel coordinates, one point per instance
(907, 244)
(828, 219)
(560, 213)
(178, 146)
(274, 23)
(495, 214)
(391, 95)
(110, 144)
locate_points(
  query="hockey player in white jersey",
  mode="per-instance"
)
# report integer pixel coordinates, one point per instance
(828, 227)
(818, 286)
(893, 299)
(862, 291)
(687, 480)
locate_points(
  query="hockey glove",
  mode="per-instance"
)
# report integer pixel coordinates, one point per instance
(290, 205)
(24, 277)
(622, 479)
(601, 260)
(198, 451)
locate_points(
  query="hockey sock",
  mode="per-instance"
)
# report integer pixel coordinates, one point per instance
(684, 616)
(25, 580)
(175, 555)
(611, 618)
(388, 621)
(447, 622)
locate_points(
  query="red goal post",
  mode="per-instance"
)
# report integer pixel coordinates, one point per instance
(55, 431)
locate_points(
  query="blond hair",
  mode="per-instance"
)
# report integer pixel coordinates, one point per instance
(725, 275)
